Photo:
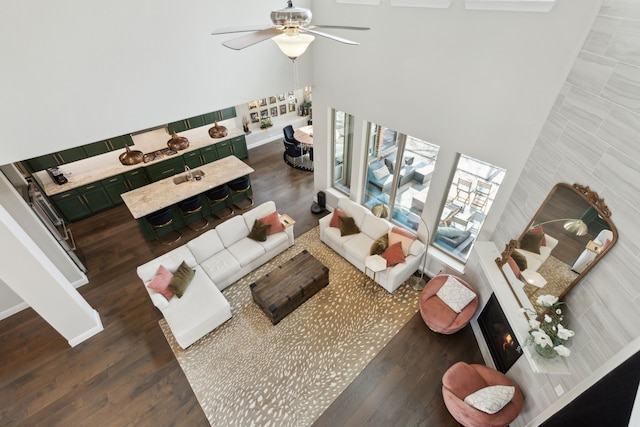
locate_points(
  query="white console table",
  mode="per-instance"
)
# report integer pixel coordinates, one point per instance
(487, 254)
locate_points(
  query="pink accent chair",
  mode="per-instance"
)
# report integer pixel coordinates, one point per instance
(438, 316)
(462, 379)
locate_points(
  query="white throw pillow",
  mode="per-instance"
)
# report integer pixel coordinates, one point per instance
(455, 294)
(491, 399)
(381, 173)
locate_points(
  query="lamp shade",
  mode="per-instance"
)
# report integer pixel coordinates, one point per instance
(380, 210)
(576, 226)
(293, 45)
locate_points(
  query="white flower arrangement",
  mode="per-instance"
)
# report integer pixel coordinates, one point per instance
(547, 331)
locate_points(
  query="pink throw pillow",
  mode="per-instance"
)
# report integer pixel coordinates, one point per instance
(334, 219)
(393, 254)
(514, 266)
(404, 237)
(273, 219)
(160, 282)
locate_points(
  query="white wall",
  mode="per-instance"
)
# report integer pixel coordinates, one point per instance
(75, 72)
(475, 82)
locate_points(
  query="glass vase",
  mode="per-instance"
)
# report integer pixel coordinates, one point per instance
(547, 352)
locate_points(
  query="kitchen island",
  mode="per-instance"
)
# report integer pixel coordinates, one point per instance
(166, 193)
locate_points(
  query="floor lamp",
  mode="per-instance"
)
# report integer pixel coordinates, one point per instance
(574, 226)
(381, 210)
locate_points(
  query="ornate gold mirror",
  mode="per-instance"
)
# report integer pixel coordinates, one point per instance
(568, 235)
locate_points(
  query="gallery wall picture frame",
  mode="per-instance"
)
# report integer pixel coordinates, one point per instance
(292, 107)
(255, 118)
(274, 111)
(262, 102)
(252, 105)
(283, 109)
(282, 97)
(264, 113)
(272, 100)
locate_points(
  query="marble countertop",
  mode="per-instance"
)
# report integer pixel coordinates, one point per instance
(97, 168)
(157, 195)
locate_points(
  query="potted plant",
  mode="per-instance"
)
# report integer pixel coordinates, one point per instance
(245, 125)
(266, 123)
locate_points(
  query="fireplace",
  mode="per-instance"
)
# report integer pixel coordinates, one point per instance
(501, 340)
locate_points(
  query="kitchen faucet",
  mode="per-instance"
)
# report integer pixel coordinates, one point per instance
(187, 169)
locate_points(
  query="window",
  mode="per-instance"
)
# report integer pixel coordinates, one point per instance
(398, 174)
(342, 143)
(472, 191)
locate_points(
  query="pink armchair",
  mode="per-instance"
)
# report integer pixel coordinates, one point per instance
(462, 379)
(438, 316)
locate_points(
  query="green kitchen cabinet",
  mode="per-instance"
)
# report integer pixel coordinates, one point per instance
(209, 154)
(211, 117)
(115, 186)
(196, 121)
(227, 113)
(165, 168)
(179, 126)
(56, 159)
(136, 178)
(71, 205)
(96, 197)
(120, 142)
(239, 147)
(193, 159)
(97, 148)
(224, 149)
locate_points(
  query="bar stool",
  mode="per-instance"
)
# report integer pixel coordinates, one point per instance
(159, 220)
(242, 186)
(192, 206)
(216, 195)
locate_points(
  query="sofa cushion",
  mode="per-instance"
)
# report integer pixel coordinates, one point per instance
(374, 226)
(258, 212)
(394, 254)
(160, 282)
(379, 245)
(220, 266)
(273, 219)
(440, 315)
(205, 246)
(337, 213)
(274, 240)
(354, 210)
(358, 246)
(380, 173)
(347, 226)
(246, 251)
(259, 231)
(491, 399)
(406, 239)
(462, 379)
(171, 260)
(232, 230)
(181, 279)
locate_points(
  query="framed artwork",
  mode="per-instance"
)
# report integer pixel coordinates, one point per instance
(264, 113)
(283, 109)
(274, 111)
(282, 97)
(262, 102)
(292, 107)
(272, 100)
(255, 118)
(291, 96)
(252, 105)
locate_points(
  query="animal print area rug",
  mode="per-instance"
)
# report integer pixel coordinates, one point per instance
(250, 372)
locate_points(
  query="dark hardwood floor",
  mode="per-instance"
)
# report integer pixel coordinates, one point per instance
(127, 374)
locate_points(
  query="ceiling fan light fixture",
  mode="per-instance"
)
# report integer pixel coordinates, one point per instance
(293, 45)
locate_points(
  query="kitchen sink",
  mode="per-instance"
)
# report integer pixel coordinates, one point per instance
(181, 179)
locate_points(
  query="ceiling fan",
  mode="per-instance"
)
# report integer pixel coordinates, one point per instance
(291, 31)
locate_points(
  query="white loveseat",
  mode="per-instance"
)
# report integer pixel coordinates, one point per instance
(356, 248)
(219, 257)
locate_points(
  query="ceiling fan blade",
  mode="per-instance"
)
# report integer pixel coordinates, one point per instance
(339, 27)
(252, 38)
(329, 36)
(228, 30)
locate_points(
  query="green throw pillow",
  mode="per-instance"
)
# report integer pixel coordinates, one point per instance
(260, 231)
(181, 279)
(520, 260)
(379, 245)
(347, 226)
(531, 242)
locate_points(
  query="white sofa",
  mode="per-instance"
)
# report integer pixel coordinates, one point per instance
(219, 257)
(534, 260)
(356, 247)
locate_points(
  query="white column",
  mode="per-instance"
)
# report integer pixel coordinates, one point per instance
(26, 270)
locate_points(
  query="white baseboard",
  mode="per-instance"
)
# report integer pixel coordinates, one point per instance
(89, 333)
(13, 310)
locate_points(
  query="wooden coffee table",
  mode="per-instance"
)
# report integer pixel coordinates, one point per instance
(285, 288)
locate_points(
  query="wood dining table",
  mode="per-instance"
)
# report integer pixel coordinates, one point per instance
(304, 135)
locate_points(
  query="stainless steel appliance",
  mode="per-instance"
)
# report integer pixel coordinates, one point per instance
(54, 223)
